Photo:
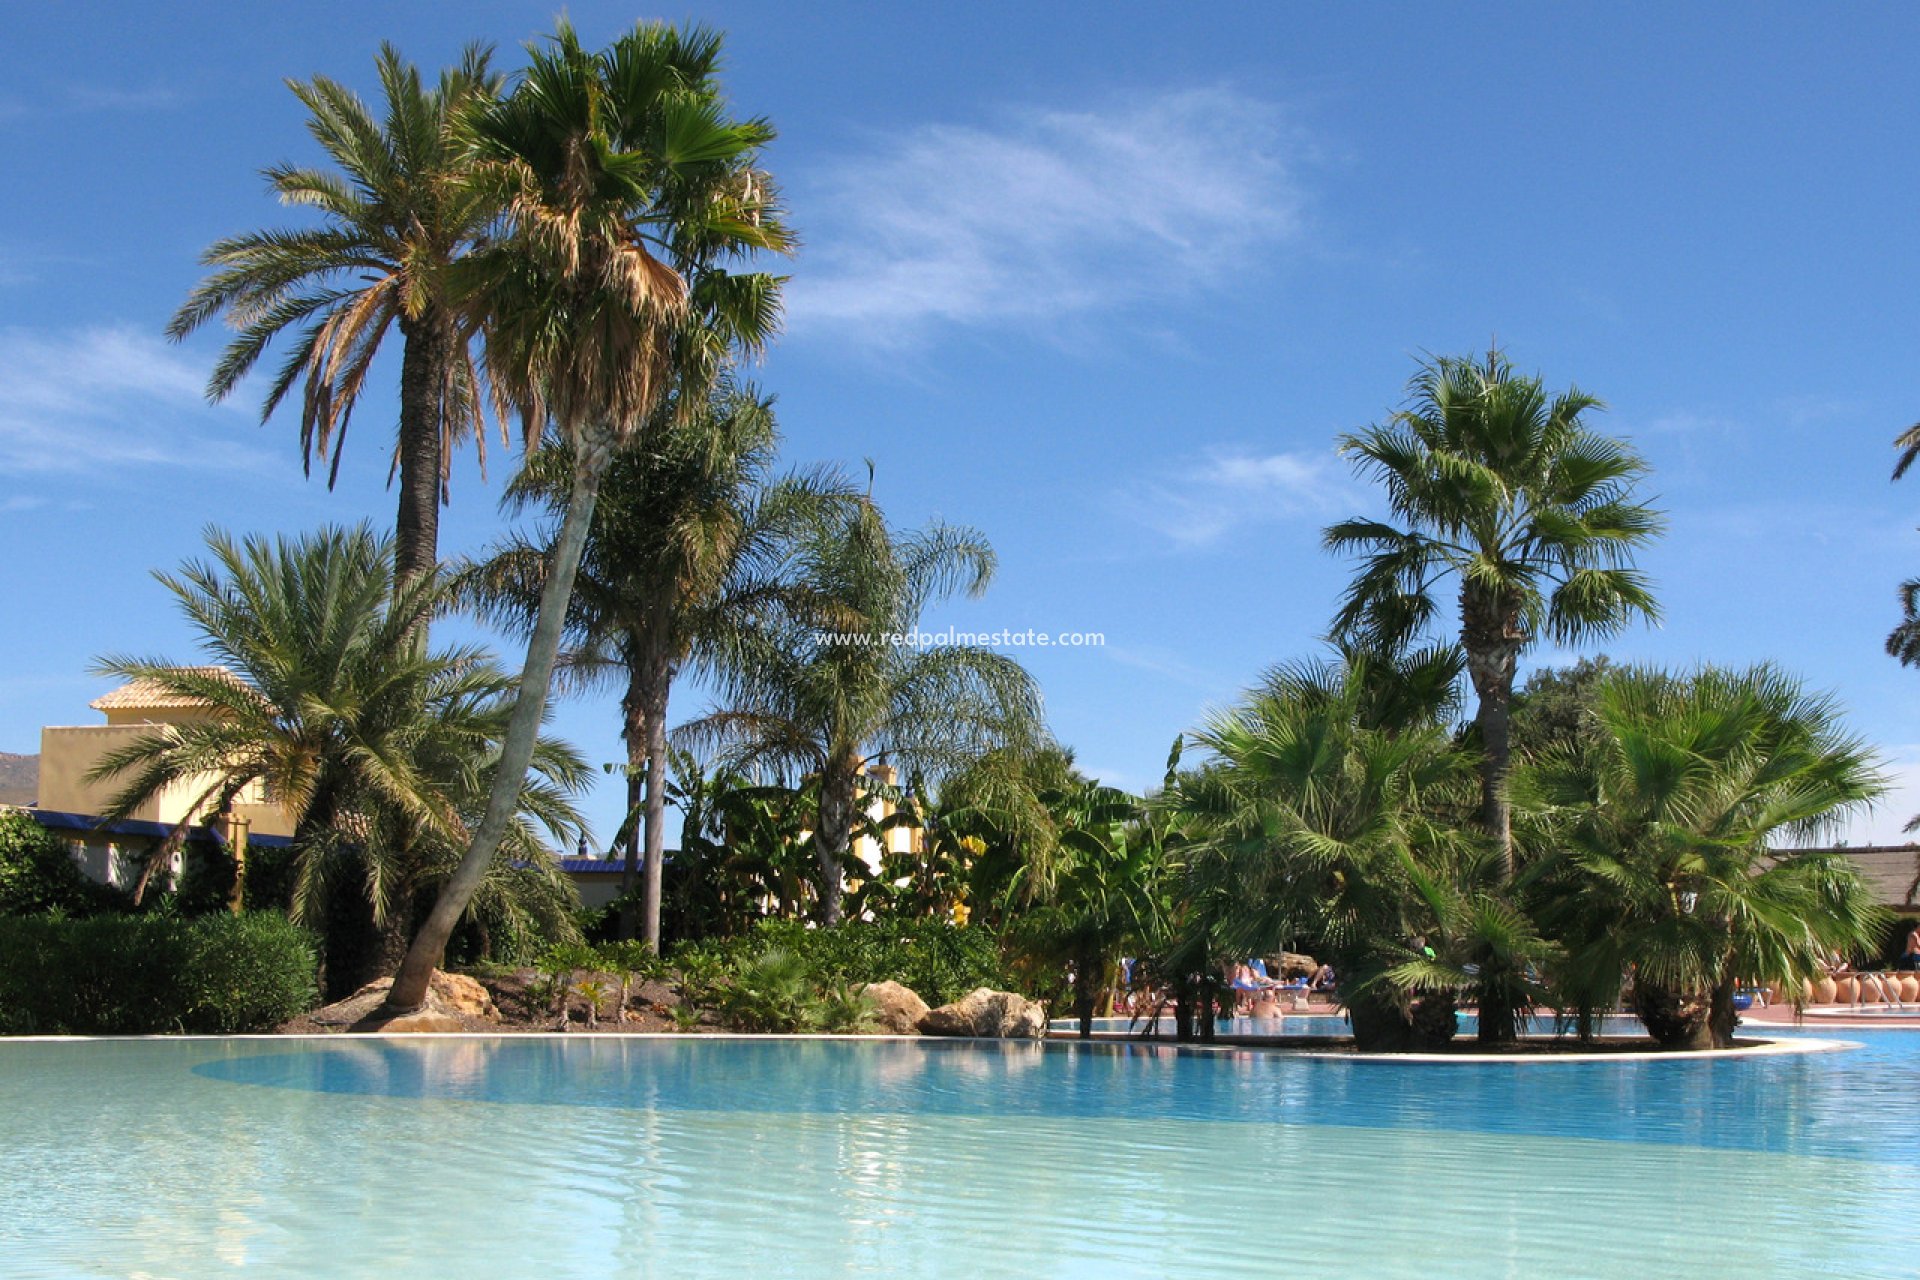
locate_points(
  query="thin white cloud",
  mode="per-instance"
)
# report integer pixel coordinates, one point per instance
(1165, 663)
(20, 265)
(79, 97)
(88, 399)
(1048, 215)
(1228, 489)
(1685, 422)
(88, 97)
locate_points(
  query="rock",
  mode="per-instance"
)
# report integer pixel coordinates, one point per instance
(450, 996)
(988, 1014)
(897, 1010)
(425, 1022)
(462, 995)
(1295, 965)
(1024, 1020)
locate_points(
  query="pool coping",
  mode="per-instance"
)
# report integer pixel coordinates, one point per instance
(1747, 1048)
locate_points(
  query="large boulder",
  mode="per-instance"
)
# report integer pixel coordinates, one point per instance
(897, 1010)
(463, 995)
(425, 1022)
(452, 1000)
(988, 1014)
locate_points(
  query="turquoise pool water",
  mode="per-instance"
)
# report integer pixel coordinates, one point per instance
(1328, 1025)
(525, 1157)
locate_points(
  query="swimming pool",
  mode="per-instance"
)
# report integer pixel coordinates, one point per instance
(592, 1156)
(1328, 1025)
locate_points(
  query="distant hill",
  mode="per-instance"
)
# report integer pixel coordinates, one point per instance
(19, 778)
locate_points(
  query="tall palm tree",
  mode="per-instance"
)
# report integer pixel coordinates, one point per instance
(372, 746)
(834, 693)
(1506, 488)
(1656, 835)
(395, 215)
(684, 549)
(628, 189)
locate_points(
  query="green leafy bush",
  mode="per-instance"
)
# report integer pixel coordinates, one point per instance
(773, 991)
(129, 975)
(247, 972)
(941, 962)
(845, 1010)
(38, 876)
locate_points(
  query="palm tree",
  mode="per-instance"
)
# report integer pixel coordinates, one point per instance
(1904, 641)
(836, 692)
(744, 851)
(1104, 892)
(1492, 480)
(394, 218)
(1656, 858)
(372, 746)
(1000, 804)
(628, 188)
(1313, 820)
(684, 549)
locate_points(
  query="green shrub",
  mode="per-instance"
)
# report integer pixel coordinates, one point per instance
(38, 876)
(129, 975)
(846, 1011)
(248, 972)
(774, 991)
(941, 962)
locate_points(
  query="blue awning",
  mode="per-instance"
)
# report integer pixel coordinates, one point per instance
(140, 829)
(599, 866)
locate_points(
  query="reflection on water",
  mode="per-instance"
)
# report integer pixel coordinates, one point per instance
(596, 1156)
(1784, 1104)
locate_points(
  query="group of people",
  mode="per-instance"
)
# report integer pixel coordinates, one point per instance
(1257, 993)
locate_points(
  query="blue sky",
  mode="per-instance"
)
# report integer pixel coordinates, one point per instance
(1103, 281)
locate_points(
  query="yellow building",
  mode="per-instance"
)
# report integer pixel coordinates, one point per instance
(879, 806)
(70, 803)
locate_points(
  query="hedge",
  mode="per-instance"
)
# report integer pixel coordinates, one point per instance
(38, 876)
(128, 975)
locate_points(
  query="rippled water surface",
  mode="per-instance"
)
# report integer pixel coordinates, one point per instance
(523, 1157)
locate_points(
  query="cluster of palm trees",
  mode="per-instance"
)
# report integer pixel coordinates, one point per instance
(578, 247)
(573, 247)
(378, 745)
(1625, 850)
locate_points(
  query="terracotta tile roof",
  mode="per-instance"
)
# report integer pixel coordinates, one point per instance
(1891, 871)
(147, 695)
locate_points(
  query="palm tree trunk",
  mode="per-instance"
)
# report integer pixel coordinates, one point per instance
(656, 801)
(390, 937)
(424, 366)
(593, 449)
(1722, 1018)
(1379, 1025)
(1490, 635)
(836, 832)
(1675, 1019)
(1086, 985)
(634, 734)
(1498, 1012)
